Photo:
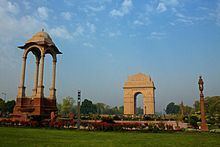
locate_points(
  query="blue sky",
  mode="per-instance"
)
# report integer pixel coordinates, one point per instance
(104, 41)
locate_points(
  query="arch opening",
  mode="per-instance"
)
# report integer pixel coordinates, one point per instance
(47, 75)
(138, 103)
(30, 72)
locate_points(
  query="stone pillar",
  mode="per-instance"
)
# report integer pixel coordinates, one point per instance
(40, 88)
(34, 91)
(53, 89)
(149, 100)
(204, 126)
(21, 88)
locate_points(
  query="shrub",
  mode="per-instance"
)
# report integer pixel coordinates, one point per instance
(108, 120)
(161, 126)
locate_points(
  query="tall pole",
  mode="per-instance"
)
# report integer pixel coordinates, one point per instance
(78, 109)
(204, 126)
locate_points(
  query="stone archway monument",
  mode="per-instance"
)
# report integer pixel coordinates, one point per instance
(37, 104)
(139, 84)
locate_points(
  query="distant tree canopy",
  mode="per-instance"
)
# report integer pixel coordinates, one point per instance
(10, 106)
(87, 107)
(212, 105)
(139, 110)
(172, 108)
(6, 107)
(2, 105)
(67, 106)
(106, 109)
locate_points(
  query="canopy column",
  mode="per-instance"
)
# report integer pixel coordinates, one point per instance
(36, 78)
(40, 88)
(21, 88)
(53, 89)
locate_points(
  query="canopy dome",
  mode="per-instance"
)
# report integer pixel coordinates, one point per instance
(41, 38)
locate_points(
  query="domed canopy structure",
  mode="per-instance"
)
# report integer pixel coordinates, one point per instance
(41, 38)
(37, 104)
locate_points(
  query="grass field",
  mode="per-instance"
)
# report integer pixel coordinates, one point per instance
(49, 137)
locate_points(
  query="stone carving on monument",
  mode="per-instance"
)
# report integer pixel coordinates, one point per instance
(139, 84)
(37, 104)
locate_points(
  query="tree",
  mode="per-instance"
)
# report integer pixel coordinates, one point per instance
(2, 105)
(139, 110)
(187, 110)
(121, 110)
(59, 107)
(107, 110)
(212, 105)
(115, 110)
(87, 107)
(172, 108)
(10, 106)
(193, 121)
(197, 106)
(100, 108)
(67, 105)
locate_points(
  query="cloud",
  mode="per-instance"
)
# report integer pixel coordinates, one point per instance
(79, 31)
(96, 9)
(43, 12)
(61, 32)
(187, 20)
(217, 14)
(87, 44)
(91, 27)
(171, 3)
(15, 30)
(156, 35)
(125, 9)
(66, 15)
(64, 33)
(114, 34)
(137, 22)
(10, 7)
(26, 4)
(161, 7)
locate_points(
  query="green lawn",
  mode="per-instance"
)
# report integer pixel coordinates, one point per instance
(50, 137)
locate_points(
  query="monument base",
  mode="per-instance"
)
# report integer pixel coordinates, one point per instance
(38, 107)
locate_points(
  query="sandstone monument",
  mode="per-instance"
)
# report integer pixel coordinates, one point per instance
(204, 126)
(139, 84)
(37, 104)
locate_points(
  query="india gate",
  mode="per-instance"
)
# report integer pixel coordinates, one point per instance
(37, 104)
(135, 85)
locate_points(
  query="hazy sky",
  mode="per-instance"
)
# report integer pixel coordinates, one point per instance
(104, 41)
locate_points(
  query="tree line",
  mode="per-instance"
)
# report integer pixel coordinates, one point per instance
(192, 114)
(212, 107)
(87, 107)
(6, 107)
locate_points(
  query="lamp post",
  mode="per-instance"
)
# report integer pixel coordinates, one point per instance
(78, 109)
(204, 126)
